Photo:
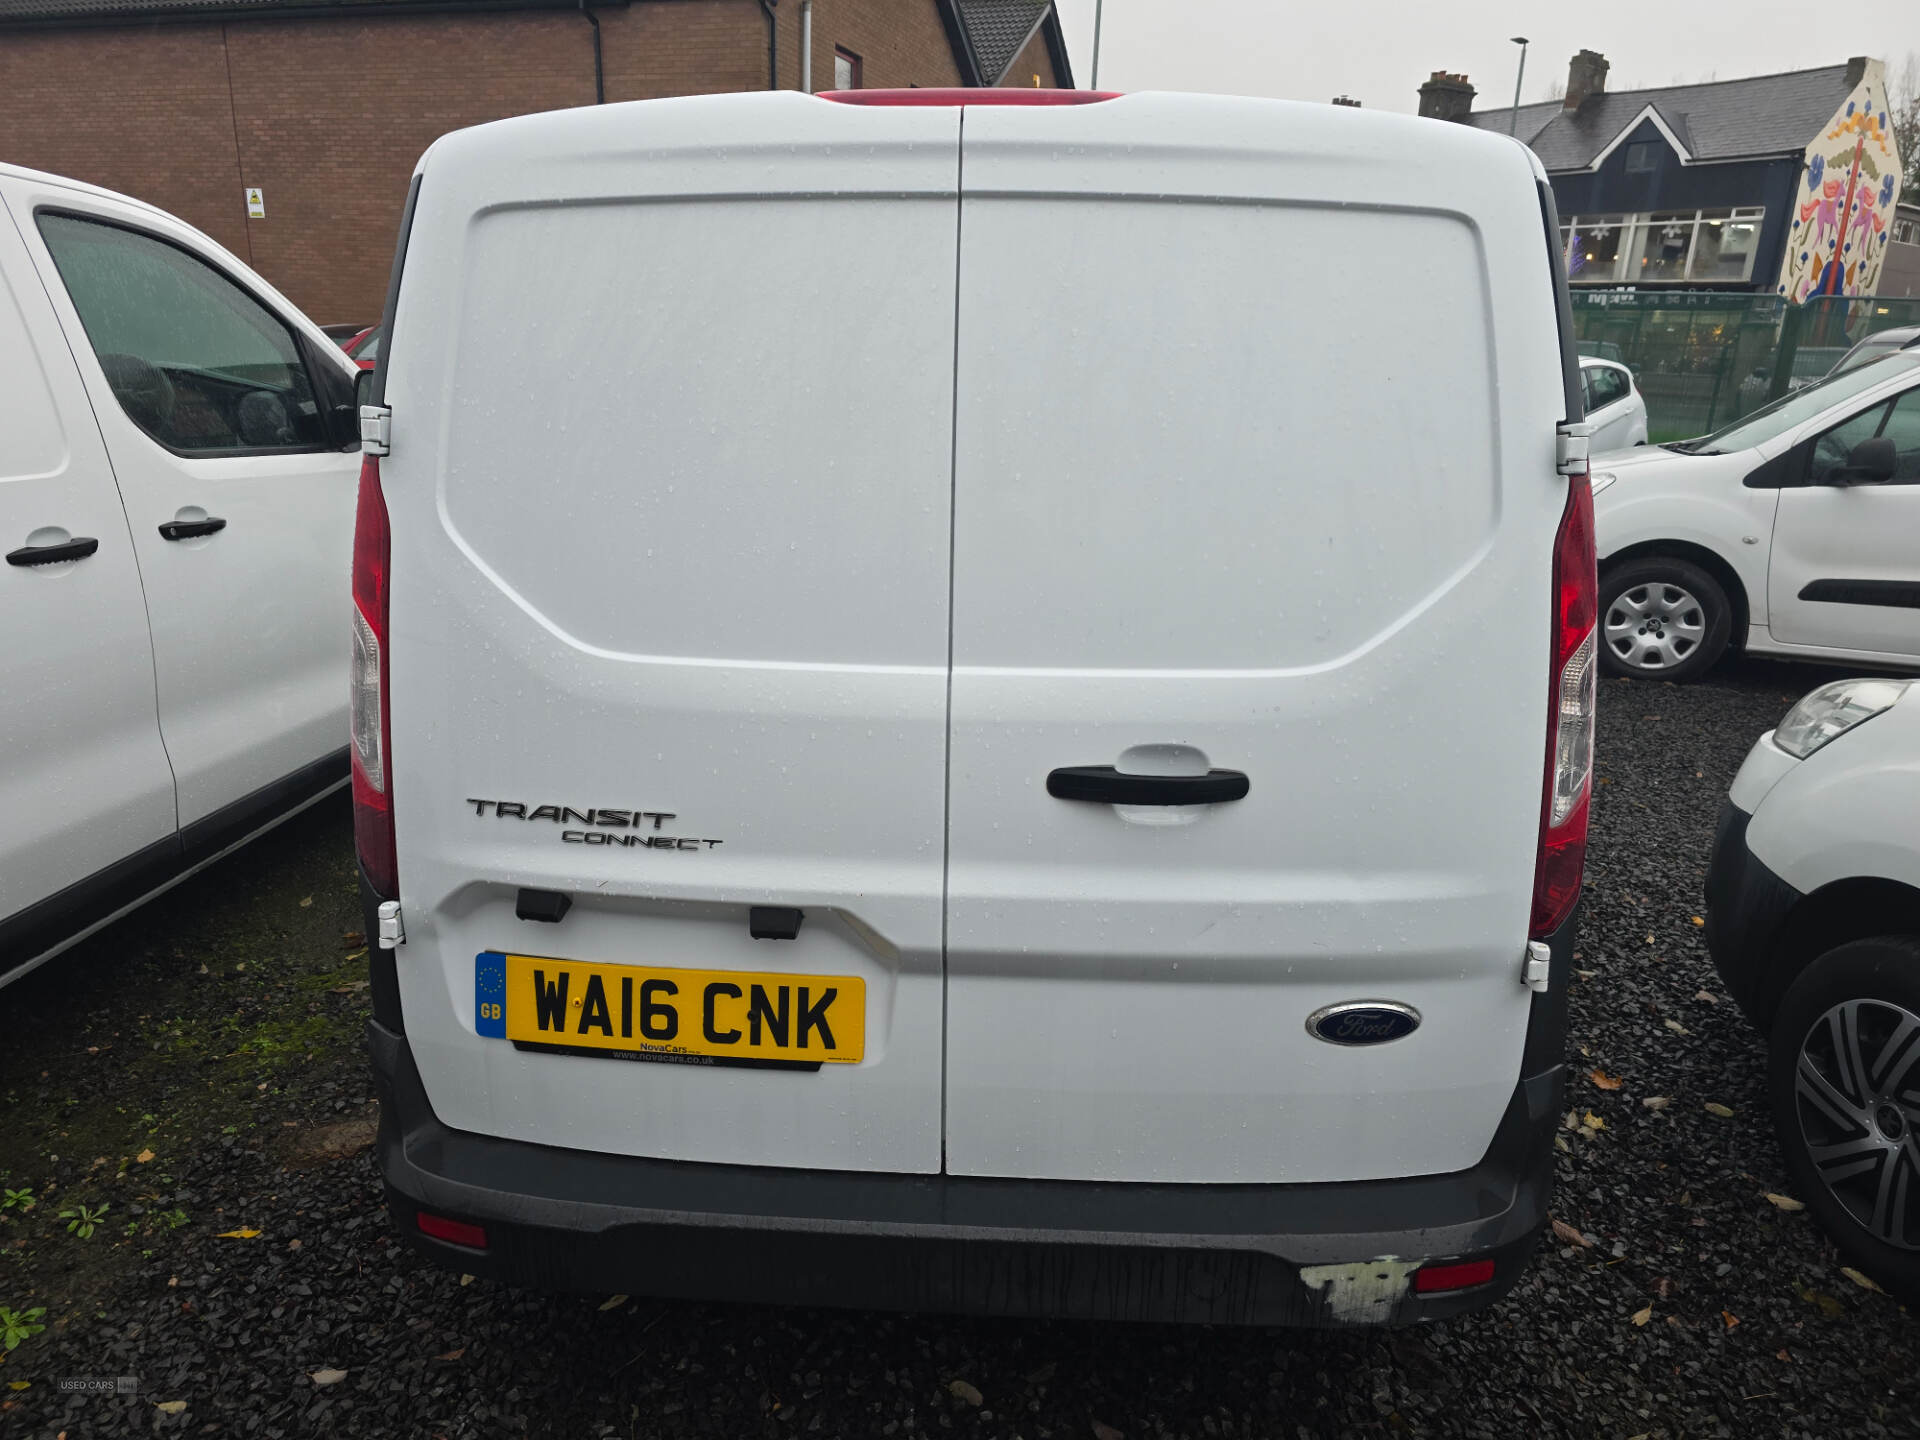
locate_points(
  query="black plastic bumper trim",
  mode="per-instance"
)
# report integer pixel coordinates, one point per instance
(1747, 908)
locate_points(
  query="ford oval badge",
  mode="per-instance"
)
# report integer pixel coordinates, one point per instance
(1363, 1022)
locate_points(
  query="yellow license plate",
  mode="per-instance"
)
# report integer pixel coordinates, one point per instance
(650, 1013)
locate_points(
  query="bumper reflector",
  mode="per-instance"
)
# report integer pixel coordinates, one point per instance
(1433, 1279)
(457, 1232)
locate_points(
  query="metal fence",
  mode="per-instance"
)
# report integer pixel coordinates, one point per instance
(1704, 358)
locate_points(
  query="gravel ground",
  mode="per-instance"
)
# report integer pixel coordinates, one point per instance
(1693, 1306)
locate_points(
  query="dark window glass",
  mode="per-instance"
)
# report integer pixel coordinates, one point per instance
(194, 360)
(1832, 448)
(1608, 385)
(1903, 428)
(1642, 157)
(846, 70)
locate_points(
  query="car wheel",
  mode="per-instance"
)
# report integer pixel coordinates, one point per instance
(1843, 1076)
(1662, 618)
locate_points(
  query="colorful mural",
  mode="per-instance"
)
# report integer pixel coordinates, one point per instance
(1838, 236)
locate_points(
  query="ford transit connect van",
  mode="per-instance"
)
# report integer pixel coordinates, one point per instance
(936, 727)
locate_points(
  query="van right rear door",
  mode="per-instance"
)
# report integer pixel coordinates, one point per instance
(1254, 471)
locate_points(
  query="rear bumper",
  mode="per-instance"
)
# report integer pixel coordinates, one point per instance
(1249, 1254)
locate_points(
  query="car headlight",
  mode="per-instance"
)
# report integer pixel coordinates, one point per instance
(1831, 711)
(1602, 480)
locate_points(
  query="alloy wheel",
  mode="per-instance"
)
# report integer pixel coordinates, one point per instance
(1857, 1097)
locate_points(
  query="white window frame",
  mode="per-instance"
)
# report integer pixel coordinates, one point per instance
(1633, 240)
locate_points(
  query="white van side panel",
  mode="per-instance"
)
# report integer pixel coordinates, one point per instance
(696, 564)
(84, 779)
(1270, 487)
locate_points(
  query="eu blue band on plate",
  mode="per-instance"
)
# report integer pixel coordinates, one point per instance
(490, 994)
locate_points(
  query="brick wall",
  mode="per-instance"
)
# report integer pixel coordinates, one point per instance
(1031, 61)
(328, 116)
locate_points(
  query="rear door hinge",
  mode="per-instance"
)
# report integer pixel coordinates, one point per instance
(1535, 970)
(376, 429)
(393, 931)
(1573, 446)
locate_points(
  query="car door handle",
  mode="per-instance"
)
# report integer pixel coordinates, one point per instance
(187, 529)
(1104, 785)
(77, 548)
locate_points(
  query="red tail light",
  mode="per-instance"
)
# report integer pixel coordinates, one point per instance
(956, 95)
(372, 735)
(1570, 705)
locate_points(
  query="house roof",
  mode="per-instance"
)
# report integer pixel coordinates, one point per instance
(987, 36)
(1723, 120)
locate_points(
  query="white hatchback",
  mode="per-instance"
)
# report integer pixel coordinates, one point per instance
(1615, 408)
(176, 501)
(1794, 532)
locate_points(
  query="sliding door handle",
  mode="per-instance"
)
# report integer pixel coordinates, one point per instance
(187, 529)
(77, 548)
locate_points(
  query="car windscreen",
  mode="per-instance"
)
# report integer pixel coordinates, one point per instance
(1792, 409)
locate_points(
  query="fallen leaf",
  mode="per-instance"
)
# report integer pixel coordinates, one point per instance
(961, 1390)
(466, 1279)
(1827, 1305)
(1714, 1107)
(170, 1407)
(303, 905)
(241, 1234)
(1731, 1318)
(144, 1156)
(1657, 1102)
(1698, 920)
(1043, 1374)
(452, 1354)
(1865, 1282)
(327, 1377)
(1785, 1202)
(1106, 1432)
(1706, 995)
(1560, 1144)
(1781, 1354)
(613, 1302)
(19, 1384)
(1571, 1236)
(1640, 1317)
(1663, 1287)
(1604, 1080)
(1586, 974)
(1593, 1122)
(1677, 1028)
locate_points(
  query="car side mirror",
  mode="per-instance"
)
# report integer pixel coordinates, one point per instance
(1871, 462)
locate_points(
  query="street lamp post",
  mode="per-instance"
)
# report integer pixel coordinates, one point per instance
(1098, 5)
(1513, 119)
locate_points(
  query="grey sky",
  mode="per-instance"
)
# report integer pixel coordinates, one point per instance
(1380, 53)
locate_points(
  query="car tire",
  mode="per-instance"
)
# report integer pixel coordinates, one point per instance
(1845, 1094)
(1662, 618)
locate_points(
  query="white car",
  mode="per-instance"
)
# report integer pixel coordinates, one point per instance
(1813, 918)
(176, 500)
(1615, 408)
(1794, 532)
(901, 804)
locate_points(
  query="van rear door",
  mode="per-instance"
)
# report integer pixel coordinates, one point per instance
(669, 627)
(1254, 472)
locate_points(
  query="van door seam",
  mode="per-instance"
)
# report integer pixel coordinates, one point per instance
(953, 481)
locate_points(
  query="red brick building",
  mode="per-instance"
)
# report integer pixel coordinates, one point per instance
(324, 105)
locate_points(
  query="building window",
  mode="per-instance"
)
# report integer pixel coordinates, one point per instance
(1642, 157)
(1906, 232)
(1671, 247)
(846, 69)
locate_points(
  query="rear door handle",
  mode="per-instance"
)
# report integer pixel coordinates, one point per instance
(1104, 785)
(77, 548)
(187, 529)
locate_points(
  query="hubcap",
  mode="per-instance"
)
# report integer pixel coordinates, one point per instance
(1655, 626)
(1857, 1096)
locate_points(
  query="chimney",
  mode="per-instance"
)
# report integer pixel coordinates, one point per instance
(1446, 97)
(1346, 100)
(1856, 71)
(1586, 76)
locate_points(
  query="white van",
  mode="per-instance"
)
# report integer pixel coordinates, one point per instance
(938, 726)
(177, 462)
